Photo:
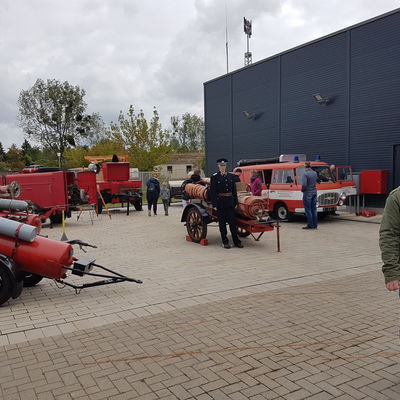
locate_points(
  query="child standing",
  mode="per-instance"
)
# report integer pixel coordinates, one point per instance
(165, 196)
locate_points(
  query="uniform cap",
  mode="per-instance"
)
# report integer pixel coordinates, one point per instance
(222, 161)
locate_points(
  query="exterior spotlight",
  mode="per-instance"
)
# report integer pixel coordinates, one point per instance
(250, 115)
(321, 100)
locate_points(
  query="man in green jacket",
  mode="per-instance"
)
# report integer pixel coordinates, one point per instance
(389, 240)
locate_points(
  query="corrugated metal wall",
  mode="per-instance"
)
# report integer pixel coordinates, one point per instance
(359, 68)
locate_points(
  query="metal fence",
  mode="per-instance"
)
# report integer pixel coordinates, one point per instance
(144, 176)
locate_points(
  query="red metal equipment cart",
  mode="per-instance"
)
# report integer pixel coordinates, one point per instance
(251, 217)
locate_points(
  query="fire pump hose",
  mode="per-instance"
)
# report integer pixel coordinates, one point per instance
(249, 206)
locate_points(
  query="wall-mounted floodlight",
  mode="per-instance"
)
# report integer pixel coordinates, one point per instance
(251, 115)
(322, 100)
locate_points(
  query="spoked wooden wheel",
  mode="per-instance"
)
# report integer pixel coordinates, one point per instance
(195, 225)
(242, 232)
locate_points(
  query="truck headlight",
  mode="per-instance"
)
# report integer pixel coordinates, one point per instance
(343, 196)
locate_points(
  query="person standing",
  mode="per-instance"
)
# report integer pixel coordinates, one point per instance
(165, 195)
(224, 199)
(389, 241)
(153, 192)
(309, 189)
(255, 183)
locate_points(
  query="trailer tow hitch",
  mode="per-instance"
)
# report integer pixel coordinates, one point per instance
(84, 266)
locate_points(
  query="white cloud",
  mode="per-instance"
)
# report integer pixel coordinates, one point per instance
(152, 53)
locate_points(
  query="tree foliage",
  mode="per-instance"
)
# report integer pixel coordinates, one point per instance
(146, 142)
(187, 134)
(15, 158)
(105, 147)
(53, 114)
(2, 153)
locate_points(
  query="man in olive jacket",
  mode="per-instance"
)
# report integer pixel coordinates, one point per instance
(389, 240)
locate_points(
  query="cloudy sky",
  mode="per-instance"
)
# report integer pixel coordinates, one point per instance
(150, 52)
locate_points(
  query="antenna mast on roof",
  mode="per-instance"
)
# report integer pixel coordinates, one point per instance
(247, 31)
(226, 38)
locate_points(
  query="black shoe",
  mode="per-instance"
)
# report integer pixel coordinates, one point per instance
(239, 245)
(307, 227)
(226, 245)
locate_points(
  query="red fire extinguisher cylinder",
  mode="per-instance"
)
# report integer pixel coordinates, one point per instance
(44, 257)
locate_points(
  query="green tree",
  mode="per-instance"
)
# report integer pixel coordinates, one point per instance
(75, 158)
(106, 147)
(15, 158)
(187, 133)
(2, 153)
(53, 114)
(146, 142)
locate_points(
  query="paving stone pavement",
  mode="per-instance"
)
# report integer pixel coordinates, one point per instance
(311, 322)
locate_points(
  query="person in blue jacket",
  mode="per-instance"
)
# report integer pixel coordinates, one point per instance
(153, 192)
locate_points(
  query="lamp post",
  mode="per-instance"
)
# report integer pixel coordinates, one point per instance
(59, 160)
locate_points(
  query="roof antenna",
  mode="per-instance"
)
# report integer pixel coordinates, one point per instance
(226, 37)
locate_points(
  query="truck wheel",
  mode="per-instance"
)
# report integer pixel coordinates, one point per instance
(195, 225)
(138, 205)
(5, 286)
(31, 279)
(282, 213)
(56, 218)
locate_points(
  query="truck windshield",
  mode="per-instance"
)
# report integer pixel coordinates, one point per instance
(325, 175)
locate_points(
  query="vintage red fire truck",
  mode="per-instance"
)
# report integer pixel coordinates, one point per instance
(281, 184)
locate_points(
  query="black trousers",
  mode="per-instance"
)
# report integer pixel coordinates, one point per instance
(226, 215)
(152, 199)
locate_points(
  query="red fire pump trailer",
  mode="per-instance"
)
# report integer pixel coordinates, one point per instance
(51, 191)
(115, 186)
(26, 258)
(251, 215)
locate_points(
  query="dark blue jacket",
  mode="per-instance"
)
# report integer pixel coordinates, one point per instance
(153, 183)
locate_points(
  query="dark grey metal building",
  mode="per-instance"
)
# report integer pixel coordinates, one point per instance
(357, 69)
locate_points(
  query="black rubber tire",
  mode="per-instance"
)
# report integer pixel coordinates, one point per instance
(31, 279)
(195, 225)
(5, 285)
(138, 205)
(282, 213)
(56, 218)
(323, 215)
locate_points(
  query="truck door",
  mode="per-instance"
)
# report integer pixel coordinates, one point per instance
(266, 177)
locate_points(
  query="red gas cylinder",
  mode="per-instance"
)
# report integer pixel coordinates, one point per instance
(44, 257)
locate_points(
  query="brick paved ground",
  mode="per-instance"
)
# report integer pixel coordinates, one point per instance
(312, 322)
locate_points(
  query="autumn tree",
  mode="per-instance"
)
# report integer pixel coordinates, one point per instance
(105, 147)
(53, 114)
(187, 133)
(15, 158)
(145, 141)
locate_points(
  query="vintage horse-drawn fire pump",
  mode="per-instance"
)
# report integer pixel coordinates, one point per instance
(114, 184)
(26, 257)
(251, 215)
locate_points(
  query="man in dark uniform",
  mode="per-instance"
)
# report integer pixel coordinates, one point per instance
(224, 199)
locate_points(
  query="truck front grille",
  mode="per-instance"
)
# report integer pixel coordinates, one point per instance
(328, 199)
